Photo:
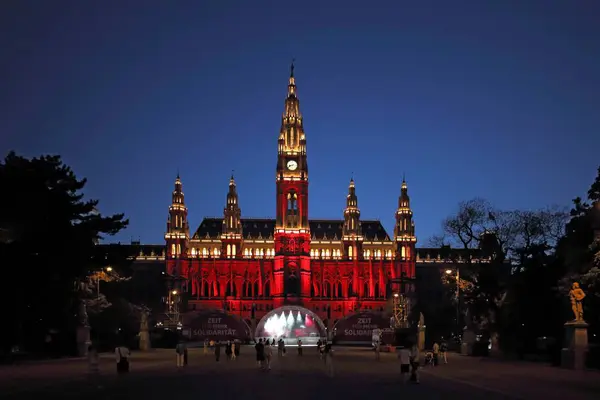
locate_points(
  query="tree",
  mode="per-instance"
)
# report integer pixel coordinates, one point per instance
(494, 248)
(48, 246)
(578, 251)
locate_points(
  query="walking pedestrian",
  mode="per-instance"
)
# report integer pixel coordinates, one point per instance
(444, 351)
(414, 363)
(122, 355)
(329, 360)
(404, 357)
(436, 354)
(217, 350)
(180, 354)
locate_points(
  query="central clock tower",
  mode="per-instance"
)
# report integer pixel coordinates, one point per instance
(292, 279)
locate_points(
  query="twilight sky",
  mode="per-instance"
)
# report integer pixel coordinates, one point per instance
(497, 99)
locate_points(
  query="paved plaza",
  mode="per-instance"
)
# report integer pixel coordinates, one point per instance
(357, 376)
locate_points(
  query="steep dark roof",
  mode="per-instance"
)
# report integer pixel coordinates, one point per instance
(321, 229)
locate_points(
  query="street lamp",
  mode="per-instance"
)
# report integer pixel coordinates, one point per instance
(449, 272)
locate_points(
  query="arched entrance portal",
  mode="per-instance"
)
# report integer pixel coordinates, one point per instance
(291, 323)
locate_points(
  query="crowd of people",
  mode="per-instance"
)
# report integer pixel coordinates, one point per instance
(408, 355)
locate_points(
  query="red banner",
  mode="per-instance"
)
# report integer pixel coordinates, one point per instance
(359, 327)
(216, 325)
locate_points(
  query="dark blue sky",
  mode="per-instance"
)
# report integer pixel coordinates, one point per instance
(498, 99)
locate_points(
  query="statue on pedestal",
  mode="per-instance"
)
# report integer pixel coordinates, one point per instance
(83, 330)
(144, 334)
(576, 295)
(82, 314)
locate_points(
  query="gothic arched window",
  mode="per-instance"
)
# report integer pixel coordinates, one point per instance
(292, 199)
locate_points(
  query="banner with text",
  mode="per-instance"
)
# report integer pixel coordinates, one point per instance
(359, 327)
(217, 325)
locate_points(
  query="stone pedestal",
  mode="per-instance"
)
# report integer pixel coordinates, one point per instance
(83, 340)
(421, 338)
(468, 339)
(574, 352)
(145, 344)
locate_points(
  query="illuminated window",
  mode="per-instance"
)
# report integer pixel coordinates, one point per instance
(173, 249)
(228, 250)
(378, 254)
(388, 254)
(233, 250)
(216, 252)
(403, 252)
(194, 252)
(407, 252)
(204, 252)
(178, 249)
(350, 252)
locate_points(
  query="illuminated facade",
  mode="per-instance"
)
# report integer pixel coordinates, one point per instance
(249, 267)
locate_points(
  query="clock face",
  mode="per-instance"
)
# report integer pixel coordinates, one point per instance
(292, 165)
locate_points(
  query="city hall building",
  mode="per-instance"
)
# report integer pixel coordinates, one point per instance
(290, 276)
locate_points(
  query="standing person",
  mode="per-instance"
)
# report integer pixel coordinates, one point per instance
(404, 357)
(217, 350)
(236, 348)
(122, 355)
(328, 350)
(260, 352)
(377, 350)
(436, 354)
(444, 350)
(322, 347)
(414, 363)
(228, 350)
(232, 349)
(268, 353)
(93, 364)
(280, 347)
(300, 347)
(179, 354)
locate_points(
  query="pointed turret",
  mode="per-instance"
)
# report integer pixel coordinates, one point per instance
(351, 213)
(178, 231)
(232, 223)
(404, 232)
(351, 230)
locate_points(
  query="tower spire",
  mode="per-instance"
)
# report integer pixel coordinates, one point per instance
(231, 235)
(291, 135)
(404, 232)
(177, 224)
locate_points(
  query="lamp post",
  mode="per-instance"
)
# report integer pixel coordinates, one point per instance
(449, 272)
(108, 269)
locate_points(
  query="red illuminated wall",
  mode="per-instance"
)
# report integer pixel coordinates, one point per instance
(239, 284)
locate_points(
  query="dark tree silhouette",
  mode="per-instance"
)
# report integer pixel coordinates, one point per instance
(48, 237)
